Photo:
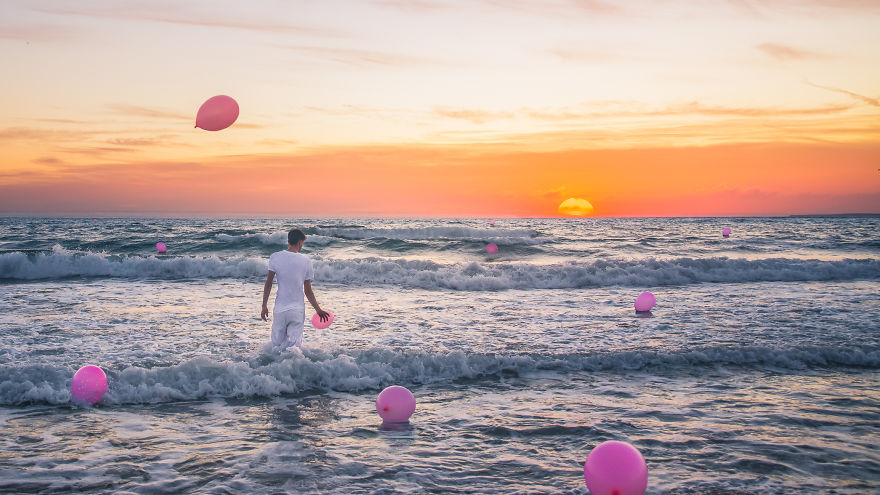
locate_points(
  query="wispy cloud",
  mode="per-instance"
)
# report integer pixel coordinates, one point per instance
(586, 112)
(48, 160)
(563, 7)
(473, 115)
(786, 52)
(361, 58)
(867, 99)
(39, 32)
(46, 135)
(153, 113)
(175, 13)
(591, 56)
(414, 5)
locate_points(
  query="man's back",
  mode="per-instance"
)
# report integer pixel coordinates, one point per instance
(291, 269)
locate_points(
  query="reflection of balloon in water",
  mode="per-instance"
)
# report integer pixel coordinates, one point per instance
(160, 246)
(395, 404)
(491, 248)
(726, 231)
(320, 325)
(645, 301)
(217, 113)
(88, 385)
(616, 468)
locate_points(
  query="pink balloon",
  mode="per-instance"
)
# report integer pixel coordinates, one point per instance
(645, 301)
(217, 113)
(320, 325)
(492, 223)
(160, 246)
(88, 385)
(395, 404)
(616, 468)
(491, 249)
(726, 231)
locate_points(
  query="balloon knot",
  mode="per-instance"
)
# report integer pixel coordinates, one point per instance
(385, 408)
(615, 492)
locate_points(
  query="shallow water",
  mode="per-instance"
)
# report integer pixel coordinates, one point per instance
(757, 371)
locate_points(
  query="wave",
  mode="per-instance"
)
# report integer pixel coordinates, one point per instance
(426, 274)
(316, 370)
(276, 239)
(61, 263)
(470, 234)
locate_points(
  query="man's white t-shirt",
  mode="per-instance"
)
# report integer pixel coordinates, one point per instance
(291, 269)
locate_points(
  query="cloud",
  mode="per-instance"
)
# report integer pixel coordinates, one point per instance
(46, 135)
(175, 13)
(557, 8)
(47, 160)
(592, 111)
(413, 5)
(786, 52)
(153, 113)
(40, 32)
(591, 56)
(361, 58)
(472, 115)
(867, 99)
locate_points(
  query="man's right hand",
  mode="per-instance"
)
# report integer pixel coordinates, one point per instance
(264, 314)
(323, 315)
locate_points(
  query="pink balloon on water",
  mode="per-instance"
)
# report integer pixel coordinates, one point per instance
(320, 325)
(645, 301)
(217, 113)
(88, 385)
(160, 247)
(491, 249)
(616, 468)
(492, 223)
(395, 404)
(726, 231)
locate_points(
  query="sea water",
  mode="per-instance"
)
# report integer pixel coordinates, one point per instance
(758, 371)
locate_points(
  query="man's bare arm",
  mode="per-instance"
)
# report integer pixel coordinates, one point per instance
(307, 290)
(267, 289)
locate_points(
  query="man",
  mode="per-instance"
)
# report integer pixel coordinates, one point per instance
(294, 272)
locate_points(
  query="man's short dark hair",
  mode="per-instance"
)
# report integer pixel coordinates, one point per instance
(294, 236)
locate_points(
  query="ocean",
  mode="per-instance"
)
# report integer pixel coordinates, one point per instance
(758, 370)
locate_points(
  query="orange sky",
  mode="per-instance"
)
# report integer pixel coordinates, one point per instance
(451, 108)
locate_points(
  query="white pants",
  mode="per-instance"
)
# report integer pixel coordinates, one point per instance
(287, 327)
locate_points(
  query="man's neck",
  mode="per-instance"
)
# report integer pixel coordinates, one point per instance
(293, 249)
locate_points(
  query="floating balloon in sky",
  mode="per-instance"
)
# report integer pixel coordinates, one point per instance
(645, 301)
(88, 385)
(616, 468)
(726, 232)
(217, 113)
(395, 404)
(320, 325)
(491, 248)
(160, 247)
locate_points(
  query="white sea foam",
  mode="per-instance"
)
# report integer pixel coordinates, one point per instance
(428, 274)
(318, 370)
(275, 239)
(498, 236)
(61, 263)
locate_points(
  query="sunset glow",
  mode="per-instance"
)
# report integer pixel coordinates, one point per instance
(441, 108)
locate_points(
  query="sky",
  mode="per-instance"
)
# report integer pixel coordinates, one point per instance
(483, 108)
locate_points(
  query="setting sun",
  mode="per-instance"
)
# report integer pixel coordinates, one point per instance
(576, 207)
